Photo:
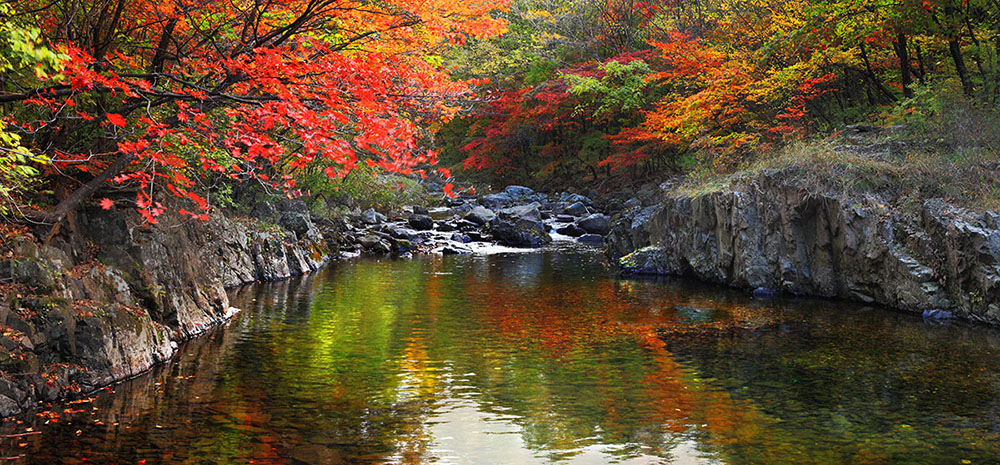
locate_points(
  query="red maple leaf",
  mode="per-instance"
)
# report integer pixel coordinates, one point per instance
(116, 119)
(107, 203)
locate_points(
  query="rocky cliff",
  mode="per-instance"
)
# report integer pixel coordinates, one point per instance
(765, 234)
(114, 296)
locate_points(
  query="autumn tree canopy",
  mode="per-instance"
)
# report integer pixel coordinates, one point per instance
(658, 86)
(149, 95)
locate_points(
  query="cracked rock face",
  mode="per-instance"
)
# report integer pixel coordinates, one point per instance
(113, 299)
(766, 234)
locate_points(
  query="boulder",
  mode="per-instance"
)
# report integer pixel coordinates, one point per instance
(455, 250)
(571, 230)
(596, 224)
(520, 233)
(591, 238)
(519, 192)
(531, 211)
(421, 222)
(480, 216)
(297, 222)
(370, 216)
(463, 238)
(264, 211)
(419, 210)
(576, 209)
(574, 198)
(496, 201)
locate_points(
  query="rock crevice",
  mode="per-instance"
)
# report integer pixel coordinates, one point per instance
(768, 235)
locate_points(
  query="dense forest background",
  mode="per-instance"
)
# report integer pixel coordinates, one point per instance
(124, 102)
(623, 90)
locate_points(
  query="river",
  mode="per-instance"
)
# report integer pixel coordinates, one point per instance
(540, 357)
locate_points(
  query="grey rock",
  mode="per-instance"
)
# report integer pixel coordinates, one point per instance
(480, 216)
(576, 209)
(421, 222)
(520, 233)
(497, 201)
(765, 233)
(519, 192)
(370, 216)
(591, 238)
(571, 230)
(463, 238)
(530, 211)
(596, 224)
(455, 250)
(264, 211)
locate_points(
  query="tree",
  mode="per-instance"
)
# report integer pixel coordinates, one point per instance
(155, 93)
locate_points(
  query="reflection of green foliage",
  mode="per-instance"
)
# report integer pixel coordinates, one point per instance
(365, 360)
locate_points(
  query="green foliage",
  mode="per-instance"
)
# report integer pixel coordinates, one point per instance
(621, 88)
(21, 50)
(22, 47)
(362, 188)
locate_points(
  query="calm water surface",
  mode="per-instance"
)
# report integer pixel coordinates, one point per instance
(542, 357)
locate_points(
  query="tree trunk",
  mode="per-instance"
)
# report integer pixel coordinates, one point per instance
(963, 72)
(82, 193)
(871, 75)
(904, 64)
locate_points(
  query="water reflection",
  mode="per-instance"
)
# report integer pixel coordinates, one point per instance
(541, 358)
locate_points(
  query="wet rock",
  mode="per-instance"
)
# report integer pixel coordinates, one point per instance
(476, 236)
(421, 222)
(565, 219)
(648, 260)
(571, 230)
(419, 210)
(463, 238)
(596, 224)
(446, 227)
(402, 246)
(460, 209)
(520, 233)
(938, 314)
(455, 250)
(591, 238)
(763, 293)
(397, 233)
(480, 216)
(576, 209)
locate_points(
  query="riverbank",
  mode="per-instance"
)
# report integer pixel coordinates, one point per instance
(893, 237)
(113, 296)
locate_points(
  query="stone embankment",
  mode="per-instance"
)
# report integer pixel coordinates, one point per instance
(773, 237)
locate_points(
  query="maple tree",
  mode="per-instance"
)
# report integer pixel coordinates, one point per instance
(155, 95)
